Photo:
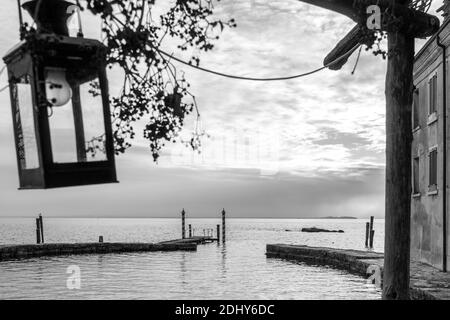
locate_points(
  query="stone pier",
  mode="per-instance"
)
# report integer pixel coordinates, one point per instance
(426, 282)
(8, 252)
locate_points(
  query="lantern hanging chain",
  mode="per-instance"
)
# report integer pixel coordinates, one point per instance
(21, 31)
(80, 27)
(259, 79)
(36, 11)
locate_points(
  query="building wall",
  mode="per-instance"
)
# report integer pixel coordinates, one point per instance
(427, 206)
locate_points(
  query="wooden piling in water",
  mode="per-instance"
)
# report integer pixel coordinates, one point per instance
(223, 225)
(38, 231)
(190, 231)
(367, 234)
(41, 225)
(183, 224)
(372, 233)
(218, 233)
(371, 223)
(100, 239)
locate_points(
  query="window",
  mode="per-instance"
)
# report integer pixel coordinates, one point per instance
(416, 185)
(433, 170)
(432, 83)
(416, 109)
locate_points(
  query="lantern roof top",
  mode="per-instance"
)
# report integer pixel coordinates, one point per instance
(51, 39)
(50, 15)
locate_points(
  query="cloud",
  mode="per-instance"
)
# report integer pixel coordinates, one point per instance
(313, 146)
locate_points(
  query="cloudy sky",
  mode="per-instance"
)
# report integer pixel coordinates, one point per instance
(308, 147)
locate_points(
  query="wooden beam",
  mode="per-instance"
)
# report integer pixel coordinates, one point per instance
(413, 22)
(346, 45)
(344, 7)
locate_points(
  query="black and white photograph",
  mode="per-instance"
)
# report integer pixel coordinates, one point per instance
(225, 156)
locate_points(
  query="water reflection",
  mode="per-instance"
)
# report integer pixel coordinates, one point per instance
(223, 259)
(183, 271)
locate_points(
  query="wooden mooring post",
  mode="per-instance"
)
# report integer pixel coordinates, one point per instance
(218, 233)
(183, 224)
(372, 233)
(38, 231)
(223, 225)
(190, 231)
(367, 234)
(41, 226)
(371, 222)
(100, 239)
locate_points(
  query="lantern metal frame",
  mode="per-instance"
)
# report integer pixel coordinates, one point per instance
(28, 60)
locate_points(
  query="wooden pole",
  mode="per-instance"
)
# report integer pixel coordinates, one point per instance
(223, 225)
(190, 231)
(371, 223)
(399, 90)
(183, 224)
(100, 239)
(38, 231)
(218, 233)
(41, 225)
(372, 233)
(367, 234)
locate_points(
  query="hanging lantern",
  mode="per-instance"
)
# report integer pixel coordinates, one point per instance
(60, 104)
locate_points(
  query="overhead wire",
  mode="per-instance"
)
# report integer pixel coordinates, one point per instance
(171, 56)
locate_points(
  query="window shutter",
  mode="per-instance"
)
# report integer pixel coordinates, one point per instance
(416, 109)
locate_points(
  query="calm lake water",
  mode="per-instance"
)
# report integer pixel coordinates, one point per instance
(237, 270)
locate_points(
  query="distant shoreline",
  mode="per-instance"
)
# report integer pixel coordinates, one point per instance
(191, 217)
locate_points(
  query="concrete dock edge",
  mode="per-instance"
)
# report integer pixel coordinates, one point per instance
(8, 252)
(427, 283)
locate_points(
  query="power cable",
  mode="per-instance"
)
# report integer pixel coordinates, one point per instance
(260, 79)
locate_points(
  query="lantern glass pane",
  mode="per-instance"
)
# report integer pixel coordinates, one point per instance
(28, 152)
(76, 123)
(93, 120)
(61, 118)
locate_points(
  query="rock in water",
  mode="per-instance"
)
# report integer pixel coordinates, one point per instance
(314, 229)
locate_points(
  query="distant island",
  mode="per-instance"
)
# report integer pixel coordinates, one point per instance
(342, 217)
